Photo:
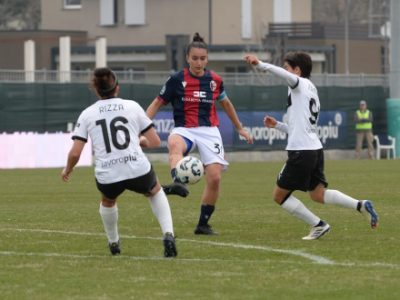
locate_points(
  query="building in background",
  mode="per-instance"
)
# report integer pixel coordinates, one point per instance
(150, 35)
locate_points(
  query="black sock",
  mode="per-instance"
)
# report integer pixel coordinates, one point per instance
(173, 175)
(205, 214)
(359, 206)
(321, 223)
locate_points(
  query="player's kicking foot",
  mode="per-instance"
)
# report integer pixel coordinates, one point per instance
(115, 248)
(318, 231)
(176, 188)
(368, 209)
(204, 229)
(169, 245)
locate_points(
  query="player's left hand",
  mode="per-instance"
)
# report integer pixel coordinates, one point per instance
(270, 122)
(244, 133)
(143, 141)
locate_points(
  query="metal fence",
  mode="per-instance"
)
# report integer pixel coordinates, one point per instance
(159, 77)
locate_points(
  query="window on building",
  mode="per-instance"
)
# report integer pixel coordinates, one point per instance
(72, 4)
(282, 11)
(135, 12)
(108, 12)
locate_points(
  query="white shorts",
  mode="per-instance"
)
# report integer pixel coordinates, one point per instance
(207, 140)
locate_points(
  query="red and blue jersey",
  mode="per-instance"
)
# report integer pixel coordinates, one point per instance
(193, 98)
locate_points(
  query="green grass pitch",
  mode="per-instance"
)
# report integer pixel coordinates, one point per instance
(52, 244)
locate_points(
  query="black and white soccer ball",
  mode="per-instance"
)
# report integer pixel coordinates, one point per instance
(189, 170)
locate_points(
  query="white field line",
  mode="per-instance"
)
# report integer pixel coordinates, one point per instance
(191, 260)
(314, 258)
(82, 256)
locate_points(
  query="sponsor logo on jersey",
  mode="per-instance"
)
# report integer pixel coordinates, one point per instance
(199, 94)
(119, 160)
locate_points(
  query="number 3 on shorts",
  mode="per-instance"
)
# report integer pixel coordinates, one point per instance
(218, 147)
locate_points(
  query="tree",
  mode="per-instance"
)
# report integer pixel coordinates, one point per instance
(359, 11)
(19, 14)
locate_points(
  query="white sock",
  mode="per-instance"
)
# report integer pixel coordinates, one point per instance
(109, 216)
(296, 208)
(338, 198)
(161, 210)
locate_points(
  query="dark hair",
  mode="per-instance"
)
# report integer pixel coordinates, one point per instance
(197, 42)
(301, 60)
(105, 82)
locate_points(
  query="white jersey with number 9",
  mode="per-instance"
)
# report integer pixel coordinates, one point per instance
(303, 112)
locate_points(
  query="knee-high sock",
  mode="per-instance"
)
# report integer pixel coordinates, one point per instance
(296, 208)
(109, 216)
(161, 210)
(338, 198)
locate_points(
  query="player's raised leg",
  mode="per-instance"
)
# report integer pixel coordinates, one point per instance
(328, 196)
(177, 146)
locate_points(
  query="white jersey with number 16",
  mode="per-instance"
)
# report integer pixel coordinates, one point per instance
(114, 126)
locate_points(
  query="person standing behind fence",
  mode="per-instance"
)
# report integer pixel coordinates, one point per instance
(363, 119)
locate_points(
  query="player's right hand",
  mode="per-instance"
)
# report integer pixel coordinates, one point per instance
(244, 133)
(251, 59)
(65, 175)
(270, 122)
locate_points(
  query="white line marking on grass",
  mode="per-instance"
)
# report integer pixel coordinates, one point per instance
(202, 260)
(81, 256)
(314, 258)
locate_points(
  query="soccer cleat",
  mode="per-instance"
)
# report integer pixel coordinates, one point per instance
(176, 188)
(317, 231)
(368, 209)
(169, 245)
(115, 248)
(204, 229)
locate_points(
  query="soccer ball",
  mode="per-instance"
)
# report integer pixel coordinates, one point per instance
(189, 170)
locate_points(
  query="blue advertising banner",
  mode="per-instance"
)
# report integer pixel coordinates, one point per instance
(331, 129)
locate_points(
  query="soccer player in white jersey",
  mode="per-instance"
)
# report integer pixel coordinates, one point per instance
(118, 130)
(304, 168)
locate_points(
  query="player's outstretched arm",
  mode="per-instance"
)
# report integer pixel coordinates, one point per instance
(290, 78)
(229, 109)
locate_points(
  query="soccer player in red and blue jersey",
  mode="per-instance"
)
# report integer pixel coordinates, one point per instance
(193, 94)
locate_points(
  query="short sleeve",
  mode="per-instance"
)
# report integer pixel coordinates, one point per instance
(80, 131)
(144, 122)
(167, 93)
(222, 94)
